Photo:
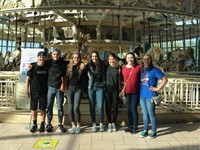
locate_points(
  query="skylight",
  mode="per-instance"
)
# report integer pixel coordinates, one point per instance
(188, 22)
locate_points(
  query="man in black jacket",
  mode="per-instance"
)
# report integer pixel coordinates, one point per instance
(57, 69)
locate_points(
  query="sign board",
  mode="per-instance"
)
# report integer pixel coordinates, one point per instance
(22, 102)
(46, 144)
(28, 56)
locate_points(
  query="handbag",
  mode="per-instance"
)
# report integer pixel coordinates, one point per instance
(157, 99)
(122, 93)
(64, 84)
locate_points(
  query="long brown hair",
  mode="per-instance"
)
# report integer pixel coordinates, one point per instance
(99, 65)
(71, 63)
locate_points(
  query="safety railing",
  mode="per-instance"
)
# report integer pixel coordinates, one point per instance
(7, 89)
(182, 94)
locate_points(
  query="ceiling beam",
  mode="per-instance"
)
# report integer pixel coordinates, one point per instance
(65, 16)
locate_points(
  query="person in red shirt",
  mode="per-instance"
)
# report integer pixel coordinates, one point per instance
(131, 75)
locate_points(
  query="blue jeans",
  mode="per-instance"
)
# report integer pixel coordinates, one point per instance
(148, 111)
(96, 95)
(52, 93)
(132, 102)
(74, 98)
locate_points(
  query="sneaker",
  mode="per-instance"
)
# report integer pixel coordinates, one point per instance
(109, 127)
(49, 128)
(152, 135)
(133, 130)
(33, 129)
(143, 134)
(61, 127)
(42, 128)
(114, 128)
(94, 128)
(128, 129)
(101, 127)
(73, 130)
(78, 129)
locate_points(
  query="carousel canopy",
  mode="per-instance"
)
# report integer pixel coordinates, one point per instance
(138, 21)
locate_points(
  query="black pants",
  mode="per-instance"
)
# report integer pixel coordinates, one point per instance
(112, 99)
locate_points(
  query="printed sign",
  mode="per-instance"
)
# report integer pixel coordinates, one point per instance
(46, 144)
(27, 56)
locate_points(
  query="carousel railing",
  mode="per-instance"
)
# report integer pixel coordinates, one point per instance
(181, 93)
(7, 89)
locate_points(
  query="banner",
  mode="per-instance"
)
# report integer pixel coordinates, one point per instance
(28, 56)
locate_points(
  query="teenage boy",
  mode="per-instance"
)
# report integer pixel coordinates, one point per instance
(36, 89)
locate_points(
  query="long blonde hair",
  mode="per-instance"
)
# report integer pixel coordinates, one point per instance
(71, 63)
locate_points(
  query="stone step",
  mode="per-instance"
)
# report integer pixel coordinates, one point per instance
(164, 115)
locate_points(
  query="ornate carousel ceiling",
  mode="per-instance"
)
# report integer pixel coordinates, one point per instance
(149, 20)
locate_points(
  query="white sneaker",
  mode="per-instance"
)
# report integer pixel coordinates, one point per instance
(109, 127)
(101, 127)
(94, 128)
(114, 128)
(78, 129)
(73, 130)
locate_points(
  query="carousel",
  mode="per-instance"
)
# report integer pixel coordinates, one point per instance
(167, 30)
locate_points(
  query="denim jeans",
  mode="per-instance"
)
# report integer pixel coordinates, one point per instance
(52, 93)
(74, 98)
(132, 102)
(96, 95)
(148, 111)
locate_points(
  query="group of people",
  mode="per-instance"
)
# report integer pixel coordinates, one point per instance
(102, 81)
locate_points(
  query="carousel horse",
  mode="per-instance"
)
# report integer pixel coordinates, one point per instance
(12, 60)
(182, 60)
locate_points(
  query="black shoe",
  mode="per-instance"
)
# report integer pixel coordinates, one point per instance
(62, 129)
(42, 128)
(134, 131)
(49, 128)
(128, 129)
(34, 129)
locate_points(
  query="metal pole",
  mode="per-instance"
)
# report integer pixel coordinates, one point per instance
(2, 37)
(34, 29)
(183, 34)
(190, 37)
(132, 32)
(8, 35)
(149, 32)
(119, 30)
(166, 29)
(16, 29)
(112, 30)
(143, 34)
(175, 38)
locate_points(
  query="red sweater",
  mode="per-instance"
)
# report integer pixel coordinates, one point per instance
(133, 84)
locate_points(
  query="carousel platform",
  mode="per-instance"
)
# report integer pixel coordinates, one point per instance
(164, 115)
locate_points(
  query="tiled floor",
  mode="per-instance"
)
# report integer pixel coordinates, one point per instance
(184, 136)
